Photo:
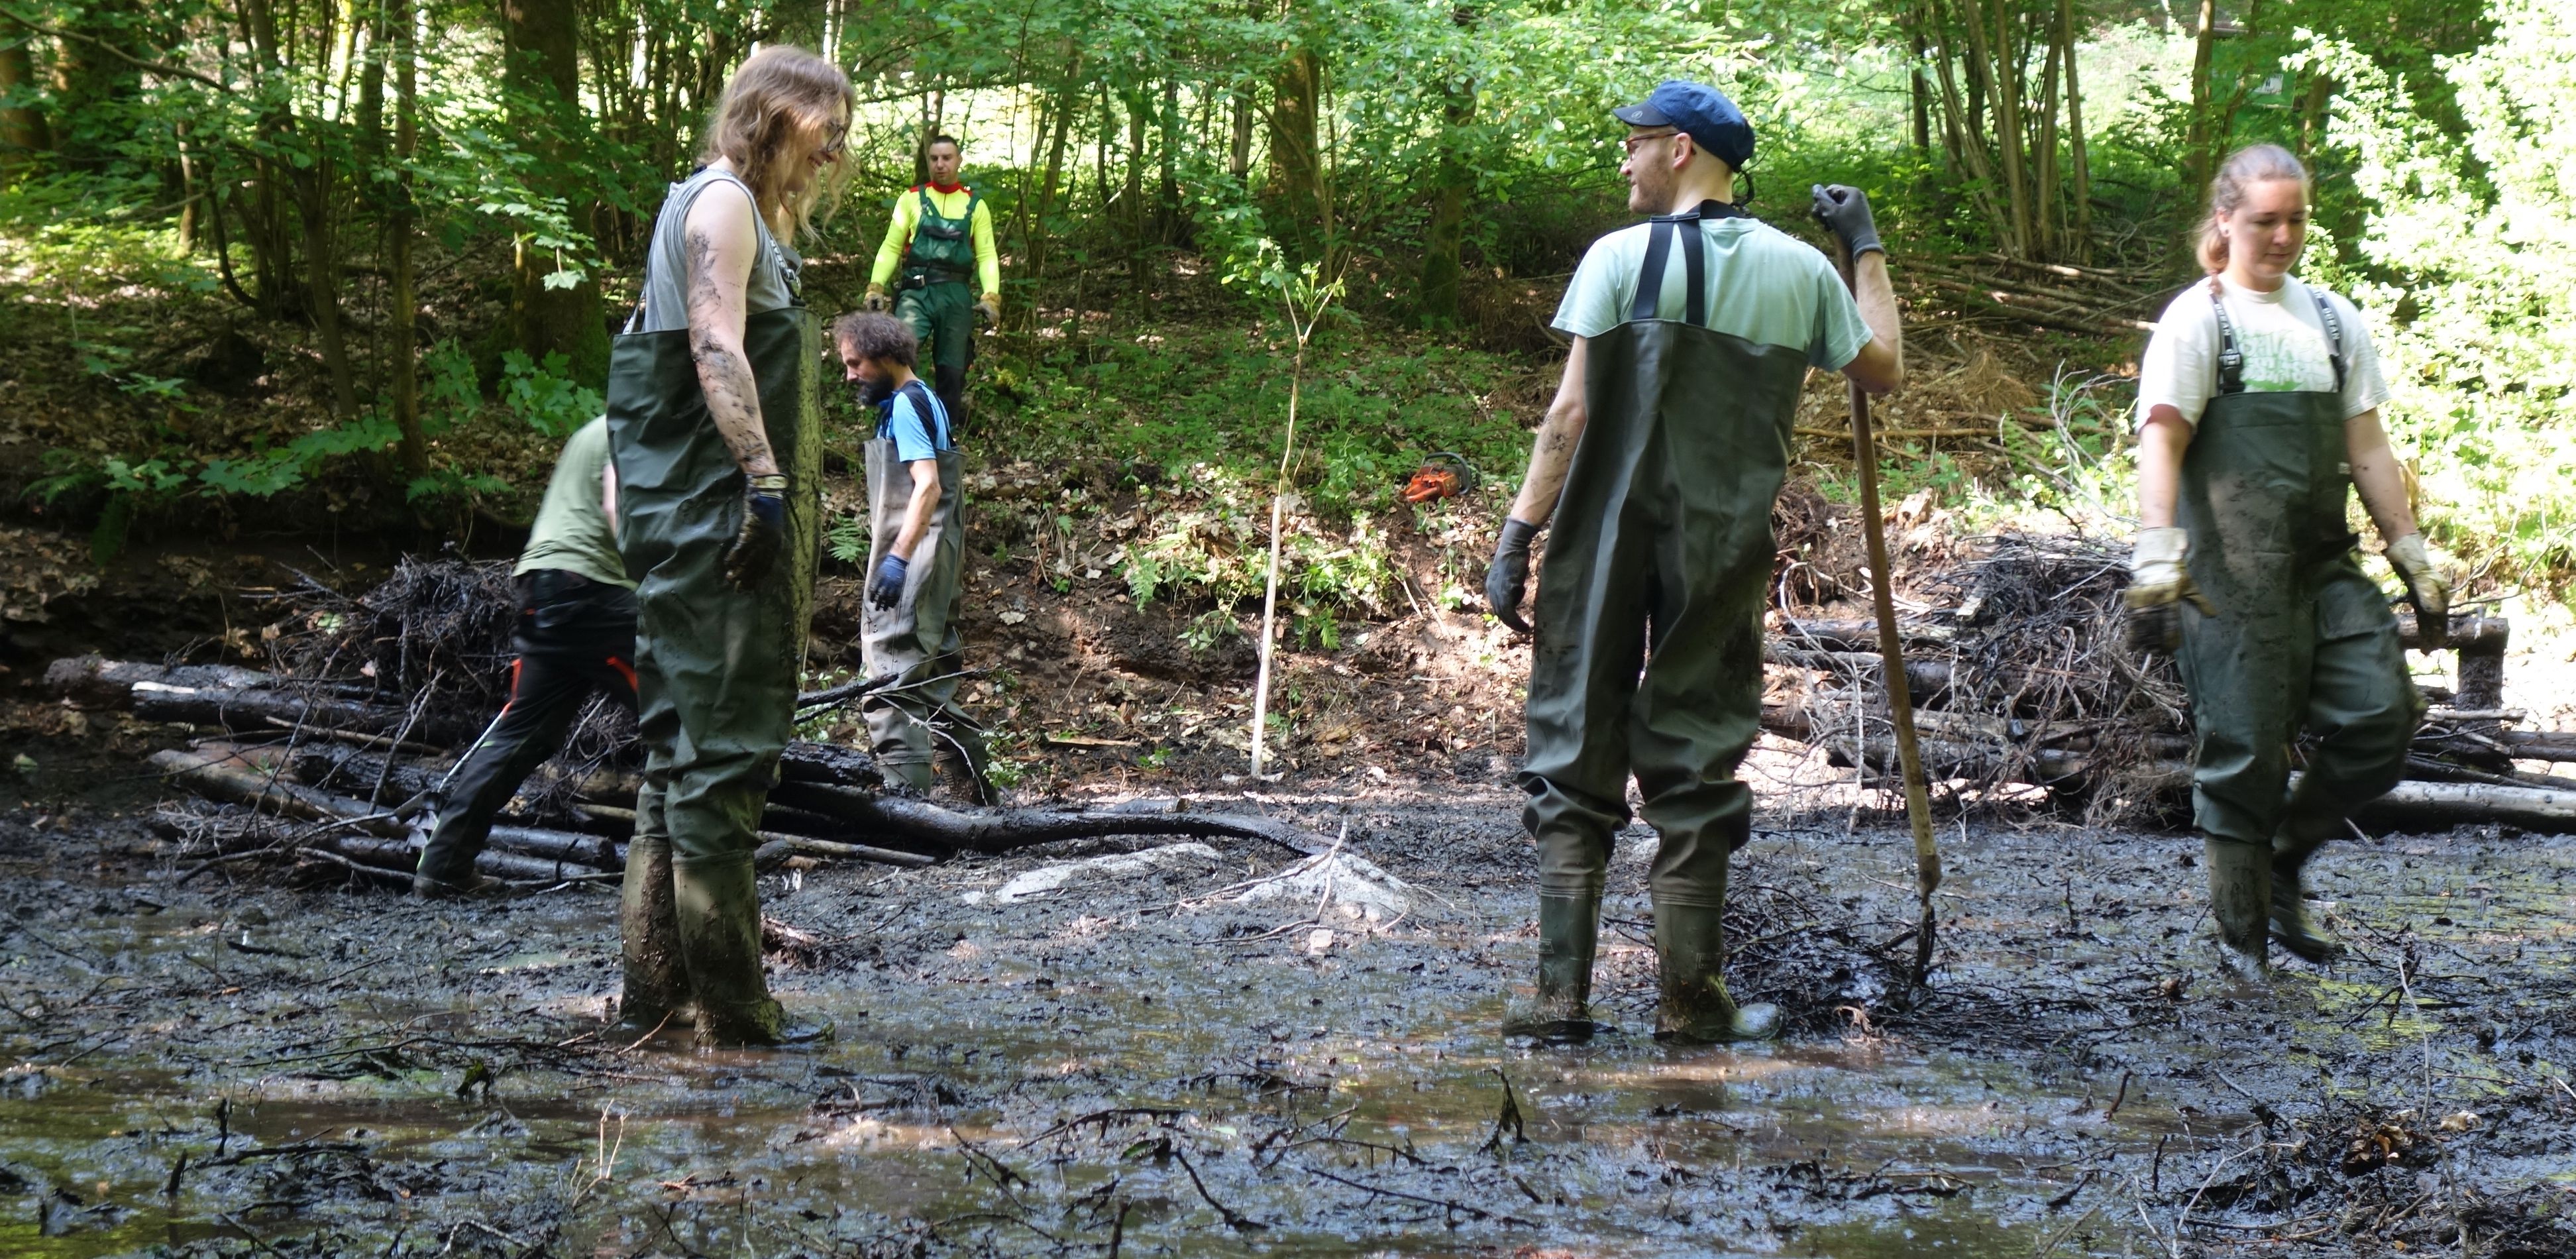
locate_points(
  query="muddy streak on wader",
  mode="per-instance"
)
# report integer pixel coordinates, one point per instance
(917, 638)
(1649, 618)
(2302, 636)
(716, 667)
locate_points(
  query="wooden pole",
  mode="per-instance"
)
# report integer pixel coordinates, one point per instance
(1891, 650)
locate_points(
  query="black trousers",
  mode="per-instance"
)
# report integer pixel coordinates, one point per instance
(575, 636)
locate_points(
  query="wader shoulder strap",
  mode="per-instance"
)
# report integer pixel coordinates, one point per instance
(1659, 249)
(2334, 335)
(2231, 361)
(791, 278)
(926, 405)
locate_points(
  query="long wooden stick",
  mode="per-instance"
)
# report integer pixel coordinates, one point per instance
(1891, 650)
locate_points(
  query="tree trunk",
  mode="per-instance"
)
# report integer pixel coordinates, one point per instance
(92, 84)
(1296, 157)
(404, 371)
(1040, 233)
(2077, 159)
(322, 285)
(2004, 62)
(191, 189)
(1239, 152)
(2198, 162)
(1441, 269)
(23, 133)
(2312, 113)
(1167, 202)
(2046, 216)
(1139, 218)
(543, 76)
(1921, 92)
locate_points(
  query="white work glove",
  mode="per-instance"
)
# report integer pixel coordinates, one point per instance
(2158, 585)
(2426, 582)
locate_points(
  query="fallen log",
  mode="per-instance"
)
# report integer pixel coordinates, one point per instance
(2411, 803)
(776, 849)
(217, 773)
(98, 682)
(1003, 830)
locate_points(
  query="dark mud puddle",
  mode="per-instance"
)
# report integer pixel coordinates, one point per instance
(1094, 1052)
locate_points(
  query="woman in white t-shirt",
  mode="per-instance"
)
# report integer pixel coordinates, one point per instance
(2258, 408)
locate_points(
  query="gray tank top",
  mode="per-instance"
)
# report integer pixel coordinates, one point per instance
(775, 273)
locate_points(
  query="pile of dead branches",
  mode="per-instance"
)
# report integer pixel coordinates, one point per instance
(2024, 682)
(335, 762)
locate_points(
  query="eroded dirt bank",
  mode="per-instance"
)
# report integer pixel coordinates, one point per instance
(1124, 1057)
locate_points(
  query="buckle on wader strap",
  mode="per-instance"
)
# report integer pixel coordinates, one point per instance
(2231, 361)
(1659, 248)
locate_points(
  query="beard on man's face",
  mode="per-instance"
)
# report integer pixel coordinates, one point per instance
(873, 390)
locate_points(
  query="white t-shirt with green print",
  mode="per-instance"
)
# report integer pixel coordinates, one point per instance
(2283, 341)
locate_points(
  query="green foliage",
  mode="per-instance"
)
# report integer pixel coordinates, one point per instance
(543, 395)
(2464, 275)
(846, 538)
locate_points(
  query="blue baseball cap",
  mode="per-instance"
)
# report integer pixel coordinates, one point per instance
(1699, 111)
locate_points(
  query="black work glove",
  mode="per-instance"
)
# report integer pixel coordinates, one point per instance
(1845, 210)
(886, 590)
(764, 532)
(1508, 579)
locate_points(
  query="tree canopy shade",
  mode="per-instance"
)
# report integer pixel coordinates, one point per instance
(446, 203)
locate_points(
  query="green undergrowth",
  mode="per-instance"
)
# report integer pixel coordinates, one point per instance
(1149, 460)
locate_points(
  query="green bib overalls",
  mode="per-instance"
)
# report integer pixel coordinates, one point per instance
(917, 637)
(1649, 652)
(937, 298)
(2302, 636)
(716, 667)
(1649, 613)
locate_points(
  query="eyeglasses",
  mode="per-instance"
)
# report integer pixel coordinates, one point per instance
(839, 142)
(1631, 143)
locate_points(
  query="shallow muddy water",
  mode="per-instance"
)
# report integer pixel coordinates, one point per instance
(1134, 1060)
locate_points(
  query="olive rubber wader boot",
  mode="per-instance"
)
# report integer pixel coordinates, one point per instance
(1697, 1009)
(2302, 638)
(917, 638)
(1649, 613)
(2240, 898)
(937, 302)
(648, 934)
(2297, 840)
(717, 666)
(1569, 933)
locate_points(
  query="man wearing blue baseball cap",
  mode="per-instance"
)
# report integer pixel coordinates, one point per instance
(1660, 457)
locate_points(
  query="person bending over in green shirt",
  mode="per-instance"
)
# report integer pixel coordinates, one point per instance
(576, 636)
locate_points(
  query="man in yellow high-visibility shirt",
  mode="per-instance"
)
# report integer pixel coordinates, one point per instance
(941, 231)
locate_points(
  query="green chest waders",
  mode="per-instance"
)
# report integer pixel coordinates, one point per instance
(1649, 618)
(936, 300)
(917, 637)
(716, 668)
(2302, 638)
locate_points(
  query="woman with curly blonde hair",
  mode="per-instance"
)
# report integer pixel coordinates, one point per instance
(713, 413)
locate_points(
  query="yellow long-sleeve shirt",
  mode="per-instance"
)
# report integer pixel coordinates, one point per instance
(907, 216)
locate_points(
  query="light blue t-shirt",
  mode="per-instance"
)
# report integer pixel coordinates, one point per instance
(916, 421)
(1764, 285)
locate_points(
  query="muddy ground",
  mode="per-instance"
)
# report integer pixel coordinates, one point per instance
(1124, 1056)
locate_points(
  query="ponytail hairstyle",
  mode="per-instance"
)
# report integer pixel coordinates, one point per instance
(2253, 164)
(780, 94)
